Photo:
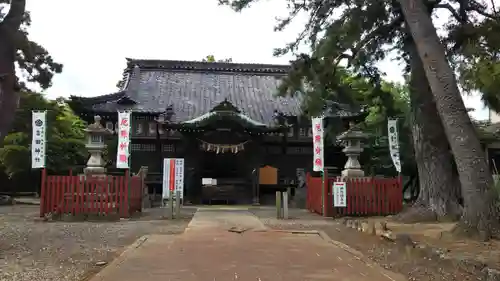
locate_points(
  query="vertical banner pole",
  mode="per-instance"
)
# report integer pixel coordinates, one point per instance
(171, 205)
(38, 151)
(318, 157)
(323, 207)
(42, 193)
(285, 205)
(278, 204)
(177, 204)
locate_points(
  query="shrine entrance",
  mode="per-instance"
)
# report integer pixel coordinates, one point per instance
(225, 172)
(223, 151)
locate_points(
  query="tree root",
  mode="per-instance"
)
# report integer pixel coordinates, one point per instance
(415, 214)
(462, 230)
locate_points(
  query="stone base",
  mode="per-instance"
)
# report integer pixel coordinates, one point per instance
(94, 171)
(353, 173)
(255, 202)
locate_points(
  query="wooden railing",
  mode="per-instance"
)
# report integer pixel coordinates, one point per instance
(100, 195)
(365, 196)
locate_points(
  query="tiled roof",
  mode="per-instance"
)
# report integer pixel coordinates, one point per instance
(194, 88)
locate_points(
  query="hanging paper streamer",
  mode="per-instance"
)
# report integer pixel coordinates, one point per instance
(222, 148)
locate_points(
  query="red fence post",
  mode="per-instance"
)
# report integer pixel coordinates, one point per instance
(99, 190)
(105, 193)
(366, 195)
(81, 193)
(400, 192)
(324, 196)
(54, 193)
(127, 189)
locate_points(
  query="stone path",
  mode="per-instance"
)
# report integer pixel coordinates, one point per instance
(207, 251)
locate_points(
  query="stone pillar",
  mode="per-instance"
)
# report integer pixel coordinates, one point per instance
(352, 139)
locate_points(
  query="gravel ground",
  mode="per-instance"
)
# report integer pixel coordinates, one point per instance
(62, 251)
(388, 255)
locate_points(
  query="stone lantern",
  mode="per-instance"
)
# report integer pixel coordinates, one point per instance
(352, 140)
(96, 134)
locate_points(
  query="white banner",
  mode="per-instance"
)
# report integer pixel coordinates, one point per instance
(318, 135)
(339, 194)
(123, 153)
(173, 176)
(38, 139)
(392, 128)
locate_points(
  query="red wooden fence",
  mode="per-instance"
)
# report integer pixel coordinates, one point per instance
(313, 201)
(90, 195)
(365, 196)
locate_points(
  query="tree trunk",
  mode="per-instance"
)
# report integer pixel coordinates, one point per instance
(480, 214)
(9, 98)
(439, 191)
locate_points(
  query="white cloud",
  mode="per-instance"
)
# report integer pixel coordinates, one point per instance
(92, 38)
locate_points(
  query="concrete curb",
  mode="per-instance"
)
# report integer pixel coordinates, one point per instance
(29, 203)
(113, 265)
(358, 255)
(325, 237)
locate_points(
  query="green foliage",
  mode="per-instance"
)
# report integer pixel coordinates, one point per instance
(211, 58)
(475, 53)
(65, 137)
(362, 32)
(34, 61)
(387, 100)
(327, 87)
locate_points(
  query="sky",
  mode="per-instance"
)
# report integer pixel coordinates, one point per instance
(92, 38)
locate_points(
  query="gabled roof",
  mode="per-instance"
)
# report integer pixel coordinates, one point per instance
(195, 88)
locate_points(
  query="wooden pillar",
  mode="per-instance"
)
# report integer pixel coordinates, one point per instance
(191, 154)
(159, 148)
(257, 161)
(255, 186)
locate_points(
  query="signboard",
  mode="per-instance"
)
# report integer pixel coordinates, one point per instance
(339, 194)
(317, 131)
(38, 139)
(392, 128)
(123, 153)
(208, 181)
(173, 176)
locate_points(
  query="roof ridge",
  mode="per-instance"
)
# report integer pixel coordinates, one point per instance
(207, 66)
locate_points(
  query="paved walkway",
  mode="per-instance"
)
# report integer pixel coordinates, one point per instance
(207, 251)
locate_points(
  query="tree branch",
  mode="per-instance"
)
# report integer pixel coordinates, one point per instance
(14, 18)
(479, 8)
(493, 7)
(378, 31)
(455, 14)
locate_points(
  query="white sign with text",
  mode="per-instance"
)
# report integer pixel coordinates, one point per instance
(38, 139)
(173, 176)
(339, 191)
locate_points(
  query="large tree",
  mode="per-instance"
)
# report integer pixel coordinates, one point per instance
(17, 49)
(480, 211)
(363, 32)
